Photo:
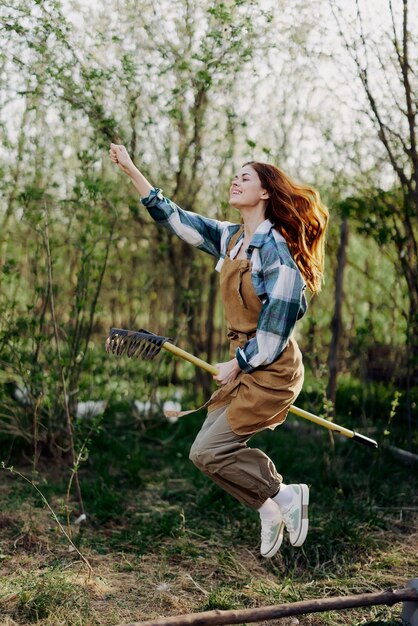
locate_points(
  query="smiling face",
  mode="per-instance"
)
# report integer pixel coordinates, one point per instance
(246, 190)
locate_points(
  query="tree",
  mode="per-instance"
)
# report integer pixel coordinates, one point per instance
(336, 322)
(385, 69)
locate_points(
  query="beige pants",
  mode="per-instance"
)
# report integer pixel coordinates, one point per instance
(246, 473)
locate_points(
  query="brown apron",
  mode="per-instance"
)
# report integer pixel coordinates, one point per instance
(261, 398)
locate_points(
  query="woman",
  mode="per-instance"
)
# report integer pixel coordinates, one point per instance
(265, 264)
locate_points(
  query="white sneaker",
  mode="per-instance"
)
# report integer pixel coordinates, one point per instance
(271, 536)
(295, 516)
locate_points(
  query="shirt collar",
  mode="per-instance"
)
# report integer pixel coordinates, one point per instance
(259, 238)
(263, 233)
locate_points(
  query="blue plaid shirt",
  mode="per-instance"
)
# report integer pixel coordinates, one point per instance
(275, 276)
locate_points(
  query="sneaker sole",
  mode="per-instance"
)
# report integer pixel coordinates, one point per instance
(305, 520)
(276, 545)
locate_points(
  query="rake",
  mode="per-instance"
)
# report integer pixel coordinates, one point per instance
(146, 345)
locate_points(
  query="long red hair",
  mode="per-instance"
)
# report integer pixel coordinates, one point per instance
(298, 214)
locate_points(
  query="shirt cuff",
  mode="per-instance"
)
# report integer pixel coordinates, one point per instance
(242, 362)
(154, 196)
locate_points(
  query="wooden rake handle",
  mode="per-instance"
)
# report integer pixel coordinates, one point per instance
(311, 417)
(190, 357)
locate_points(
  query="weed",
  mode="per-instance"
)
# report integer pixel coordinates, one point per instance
(42, 595)
(12, 470)
(226, 597)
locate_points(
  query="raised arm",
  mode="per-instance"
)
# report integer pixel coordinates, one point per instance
(207, 234)
(119, 155)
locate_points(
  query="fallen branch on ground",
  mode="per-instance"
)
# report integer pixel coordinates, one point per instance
(240, 616)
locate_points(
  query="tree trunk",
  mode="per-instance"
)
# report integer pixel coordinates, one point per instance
(336, 323)
(411, 365)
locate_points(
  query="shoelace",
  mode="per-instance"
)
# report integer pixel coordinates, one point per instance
(290, 518)
(267, 527)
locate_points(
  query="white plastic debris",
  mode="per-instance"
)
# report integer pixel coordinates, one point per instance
(21, 394)
(142, 408)
(90, 408)
(178, 393)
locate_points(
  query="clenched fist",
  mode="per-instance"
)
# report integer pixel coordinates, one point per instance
(119, 155)
(227, 372)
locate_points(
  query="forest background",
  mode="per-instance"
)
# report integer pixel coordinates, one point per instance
(326, 91)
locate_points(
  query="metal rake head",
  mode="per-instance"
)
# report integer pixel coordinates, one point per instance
(141, 343)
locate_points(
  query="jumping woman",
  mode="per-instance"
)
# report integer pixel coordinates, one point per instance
(265, 264)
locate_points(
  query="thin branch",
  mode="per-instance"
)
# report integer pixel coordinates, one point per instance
(405, 182)
(362, 35)
(388, 292)
(395, 34)
(392, 131)
(408, 95)
(99, 282)
(12, 470)
(409, 271)
(385, 75)
(364, 77)
(61, 368)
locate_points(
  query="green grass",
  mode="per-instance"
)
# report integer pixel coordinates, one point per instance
(163, 540)
(42, 596)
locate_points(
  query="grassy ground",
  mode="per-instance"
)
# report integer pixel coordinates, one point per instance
(163, 540)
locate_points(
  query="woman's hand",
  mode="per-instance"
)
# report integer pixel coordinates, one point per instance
(119, 155)
(227, 372)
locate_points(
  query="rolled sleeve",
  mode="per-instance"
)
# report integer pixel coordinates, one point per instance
(202, 232)
(153, 197)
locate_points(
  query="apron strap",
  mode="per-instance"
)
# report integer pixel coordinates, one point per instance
(234, 239)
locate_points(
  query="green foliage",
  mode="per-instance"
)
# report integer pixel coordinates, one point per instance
(54, 299)
(376, 214)
(174, 101)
